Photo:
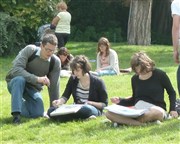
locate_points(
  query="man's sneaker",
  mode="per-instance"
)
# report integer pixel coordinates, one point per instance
(16, 119)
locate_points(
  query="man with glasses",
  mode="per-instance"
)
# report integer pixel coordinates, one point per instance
(26, 78)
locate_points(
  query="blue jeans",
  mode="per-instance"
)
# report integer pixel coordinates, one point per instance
(25, 99)
(178, 79)
(106, 72)
(85, 112)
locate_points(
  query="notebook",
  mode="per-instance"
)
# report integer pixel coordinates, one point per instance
(125, 111)
(66, 109)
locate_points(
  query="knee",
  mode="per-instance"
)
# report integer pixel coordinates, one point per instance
(18, 81)
(39, 109)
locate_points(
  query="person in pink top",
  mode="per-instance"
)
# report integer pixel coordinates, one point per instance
(107, 59)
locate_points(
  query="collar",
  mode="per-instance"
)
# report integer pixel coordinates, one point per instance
(38, 54)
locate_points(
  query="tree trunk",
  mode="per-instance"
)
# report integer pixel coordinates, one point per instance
(139, 24)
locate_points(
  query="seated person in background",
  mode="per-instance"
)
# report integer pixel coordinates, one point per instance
(107, 59)
(86, 89)
(65, 58)
(148, 84)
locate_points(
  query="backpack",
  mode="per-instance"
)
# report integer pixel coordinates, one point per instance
(44, 29)
(52, 61)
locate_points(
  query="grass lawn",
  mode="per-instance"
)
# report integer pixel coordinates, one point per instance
(44, 131)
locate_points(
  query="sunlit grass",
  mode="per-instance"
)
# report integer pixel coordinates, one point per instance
(44, 131)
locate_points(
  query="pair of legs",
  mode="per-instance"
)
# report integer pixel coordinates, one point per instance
(104, 72)
(24, 99)
(62, 39)
(154, 113)
(178, 79)
(85, 112)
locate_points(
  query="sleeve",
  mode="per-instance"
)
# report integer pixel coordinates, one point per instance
(170, 90)
(98, 64)
(103, 93)
(175, 6)
(69, 88)
(130, 101)
(19, 65)
(54, 77)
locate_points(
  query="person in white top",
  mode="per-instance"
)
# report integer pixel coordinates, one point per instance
(107, 59)
(61, 24)
(175, 9)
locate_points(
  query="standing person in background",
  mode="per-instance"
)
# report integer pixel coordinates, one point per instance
(148, 86)
(86, 89)
(61, 24)
(65, 58)
(175, 9)
(27, 77)
(107, 59)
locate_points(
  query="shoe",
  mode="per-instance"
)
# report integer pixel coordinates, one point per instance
(91, 117)
(16, 120)
(158, 122)
(45, 115)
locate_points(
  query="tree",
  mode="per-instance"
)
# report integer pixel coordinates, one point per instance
(139, 23)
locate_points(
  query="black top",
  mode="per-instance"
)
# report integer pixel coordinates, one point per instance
(97, 90)
(152, 90)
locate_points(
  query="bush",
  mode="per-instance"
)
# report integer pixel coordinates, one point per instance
(11, 39)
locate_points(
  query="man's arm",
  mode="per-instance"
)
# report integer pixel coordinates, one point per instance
(54, 78)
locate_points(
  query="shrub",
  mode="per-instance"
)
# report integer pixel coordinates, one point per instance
(11, 39)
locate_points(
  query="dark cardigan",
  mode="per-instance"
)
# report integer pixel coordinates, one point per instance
(97, 90)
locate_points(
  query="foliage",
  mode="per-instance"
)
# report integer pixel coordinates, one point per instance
(31, 14)
(11, 35)
(45, 131)
(90, 19)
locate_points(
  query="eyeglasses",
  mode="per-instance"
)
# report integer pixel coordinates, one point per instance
(49, 50)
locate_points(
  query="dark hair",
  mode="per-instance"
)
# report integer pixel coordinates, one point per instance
(64, 51)
(82, 62)
(143, 60)
(103, 41)
(49, 38)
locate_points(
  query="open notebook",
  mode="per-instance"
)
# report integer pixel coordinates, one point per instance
(66, 109)
(125, 111)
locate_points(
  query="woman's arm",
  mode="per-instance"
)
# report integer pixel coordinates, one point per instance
(55, 21)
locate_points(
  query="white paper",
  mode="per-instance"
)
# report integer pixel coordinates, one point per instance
(125, 111)
(66, 109)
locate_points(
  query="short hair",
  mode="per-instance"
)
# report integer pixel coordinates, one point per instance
(143, 60)
(103, 41)
(62, 5)
(82, 62)
(49, 38)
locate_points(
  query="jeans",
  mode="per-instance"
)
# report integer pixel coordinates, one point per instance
(106, 72)
(85, 112)
(178, 79)
(25, 99)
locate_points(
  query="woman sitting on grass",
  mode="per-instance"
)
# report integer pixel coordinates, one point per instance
(86, 89)
(107, 59)
(65, 58)
(148, 85)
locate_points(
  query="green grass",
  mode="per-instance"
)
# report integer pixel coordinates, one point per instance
(44, 131)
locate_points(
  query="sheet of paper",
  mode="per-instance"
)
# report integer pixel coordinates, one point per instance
(125, 111)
